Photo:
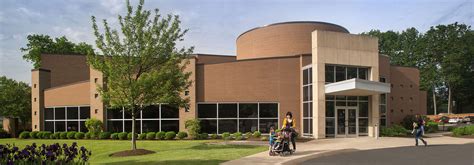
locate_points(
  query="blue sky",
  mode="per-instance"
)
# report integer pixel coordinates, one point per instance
(213, 24)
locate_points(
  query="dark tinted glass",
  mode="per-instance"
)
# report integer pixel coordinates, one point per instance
(60, 126)
(60, 113)
(351, 72)
(72, 126)
(208, 126)
(151, 112)
(207, 110)
(340, 73)
(228, 110)
(305, 93)
(363, 72)
(330, 126)
(363, 125)
(310, 75)
(73, 113)
(329, 74)
(83, 126)
(114, 114)
(305, 76)
(268, 110)
(85, 112)
(227, 126)
(248, 125)
(168, 111)
(49, 126)
(128, 126)
(306, 126)
(329, 108)
(363, 109)
(305, 109)
(170, 125)
(49, 114)
(248, 110)
(151, 125)
(265, 125)
(115, 126)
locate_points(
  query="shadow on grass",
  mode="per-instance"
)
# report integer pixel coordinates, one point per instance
(171, 162)
(222, 146)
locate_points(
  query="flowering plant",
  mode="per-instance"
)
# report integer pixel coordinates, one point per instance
(44, 154)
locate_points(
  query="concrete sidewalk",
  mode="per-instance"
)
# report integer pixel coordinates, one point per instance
(315, 148)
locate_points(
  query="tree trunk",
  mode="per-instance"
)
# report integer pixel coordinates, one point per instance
(134, 140)
(434, 101)
(450, 105)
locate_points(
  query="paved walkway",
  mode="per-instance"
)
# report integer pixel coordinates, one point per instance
(316, 148)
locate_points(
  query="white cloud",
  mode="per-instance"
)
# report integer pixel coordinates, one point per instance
(72, 34)
(27, 12)
(114, 6)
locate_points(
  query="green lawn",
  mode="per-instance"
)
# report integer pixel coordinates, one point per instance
(167, 152)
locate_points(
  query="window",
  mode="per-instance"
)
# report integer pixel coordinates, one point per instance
(186, 93)
(154, 118)
(383, 110)
(237, 117)
(362, 102)
(70, 118)
(382, 79)
(34, 86)
(341, 73)
(96, 79)
(308, 98)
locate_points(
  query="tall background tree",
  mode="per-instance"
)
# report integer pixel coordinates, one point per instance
(142, 66)
(445, 56)
(43, 44)
(15, 100)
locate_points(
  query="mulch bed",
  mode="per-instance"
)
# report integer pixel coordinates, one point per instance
(136, 152)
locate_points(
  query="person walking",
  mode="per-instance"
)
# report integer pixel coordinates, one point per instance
(289, 123)
(418, 129)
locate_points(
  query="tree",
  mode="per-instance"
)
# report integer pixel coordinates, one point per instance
(15, 99)
(39, 43)
(143, 66)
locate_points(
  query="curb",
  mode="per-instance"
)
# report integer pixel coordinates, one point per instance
(313, 156)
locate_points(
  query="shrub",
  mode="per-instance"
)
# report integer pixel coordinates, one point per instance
(94, 126)
(71, 135)
(46, 135)
(129, 136)
(63, 135)
(204, 136)
(264, 138)
(142, 136)
(122, 136)
(79, 135)
(431, 127)
(214, 136)
(44, 154)
(238, 136)
(194, 127)
(55, 135)
(257, 134)
(104, 135)
(248, 135)
(395, 130)
(226, 136)
(88, 135)
(39, 135)
(170, 135)
(408, 120)
(114, 136)
(150, 135)
(34, 134)
(24, 135)
(182, 135)
(160, 135)
(465, 130)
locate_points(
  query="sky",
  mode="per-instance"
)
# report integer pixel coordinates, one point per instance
(213, 24)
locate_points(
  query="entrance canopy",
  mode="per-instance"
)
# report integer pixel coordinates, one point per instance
(357, 87)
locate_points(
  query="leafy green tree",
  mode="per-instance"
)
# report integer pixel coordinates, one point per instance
(142, 66)
(15, 99)
(39, 44)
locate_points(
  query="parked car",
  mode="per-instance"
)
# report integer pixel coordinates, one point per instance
(442, 119)
(468, 119)
(455, 120)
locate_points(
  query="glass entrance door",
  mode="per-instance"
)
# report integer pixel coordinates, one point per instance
(346, 125)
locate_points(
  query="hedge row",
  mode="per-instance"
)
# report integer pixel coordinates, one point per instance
(103, 135)
(464, 131)
(127, 136)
